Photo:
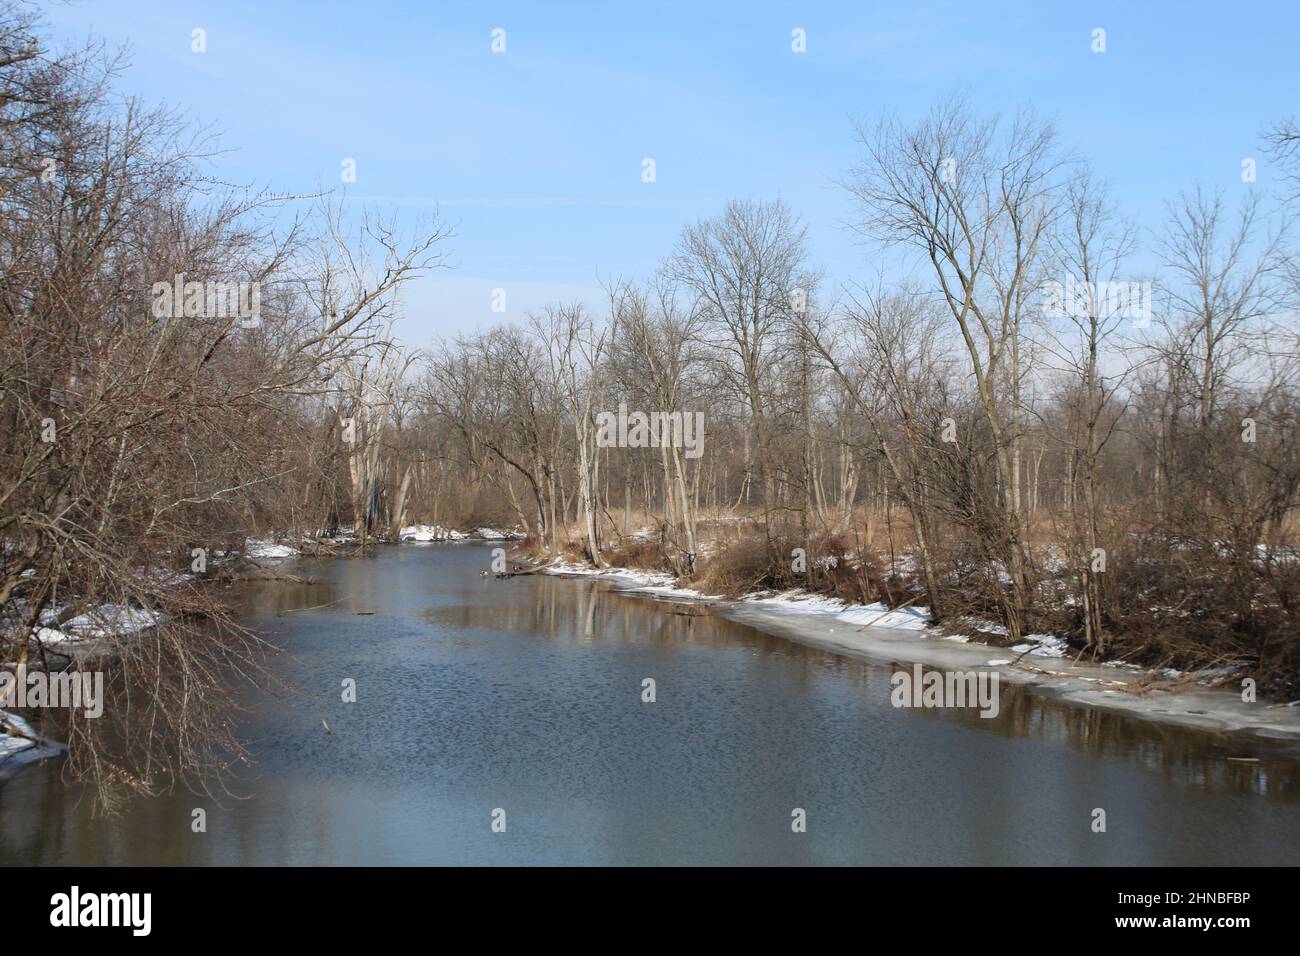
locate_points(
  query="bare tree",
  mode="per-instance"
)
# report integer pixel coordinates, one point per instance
(975, 203)
(742, 269)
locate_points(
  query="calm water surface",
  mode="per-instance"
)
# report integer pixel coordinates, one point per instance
(525, 695)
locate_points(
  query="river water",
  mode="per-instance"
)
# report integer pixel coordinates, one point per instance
(524, 696)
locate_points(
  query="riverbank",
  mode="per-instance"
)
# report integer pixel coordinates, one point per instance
(883, 636)
(95, 637)
(100, 634)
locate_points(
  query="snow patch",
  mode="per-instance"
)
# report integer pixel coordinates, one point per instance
(18, 751)
(107, 620)
(429, 532)
(259, 548)
(1042, 645)
(494, 534)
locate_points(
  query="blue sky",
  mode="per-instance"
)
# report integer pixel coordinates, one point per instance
(535, 154)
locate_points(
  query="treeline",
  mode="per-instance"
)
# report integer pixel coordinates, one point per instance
(1014, 426)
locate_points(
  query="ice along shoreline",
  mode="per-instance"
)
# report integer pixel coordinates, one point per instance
(881, 636)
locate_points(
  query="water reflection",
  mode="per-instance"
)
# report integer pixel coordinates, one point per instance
(589, 613)
(525, 694)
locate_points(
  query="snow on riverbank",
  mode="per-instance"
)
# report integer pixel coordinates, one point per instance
(260, 549)
(643, 582)
(664, 585)
(434, 532)
(20, 745)
(430, 532)
(107, 620)
(866, 615)
(889, 637)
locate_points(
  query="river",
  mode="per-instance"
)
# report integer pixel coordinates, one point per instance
(525, 696)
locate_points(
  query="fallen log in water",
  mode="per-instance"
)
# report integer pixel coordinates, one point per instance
(528, 569)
